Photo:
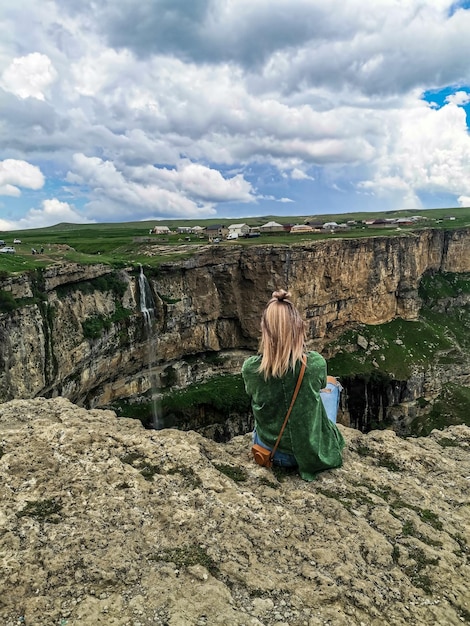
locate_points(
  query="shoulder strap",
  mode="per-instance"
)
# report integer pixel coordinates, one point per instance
(289, 410)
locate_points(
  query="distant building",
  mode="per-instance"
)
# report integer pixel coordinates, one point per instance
(216, 230)
(315, 224)
(301, 228)
(161, 230)
(197, 230)
(381, 223)
(330, 226)
(271, 227)
(238, 229)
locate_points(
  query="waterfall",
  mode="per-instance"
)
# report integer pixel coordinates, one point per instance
(147, 308)
(146, 300)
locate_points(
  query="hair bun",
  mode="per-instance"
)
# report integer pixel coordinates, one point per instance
(281, 295)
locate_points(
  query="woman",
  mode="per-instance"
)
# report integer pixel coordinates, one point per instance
(311, 439)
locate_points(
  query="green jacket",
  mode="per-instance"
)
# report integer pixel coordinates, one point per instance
(309, 435)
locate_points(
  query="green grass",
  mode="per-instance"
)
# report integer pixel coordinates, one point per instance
(446, 442)
(440, 335)
(434, 287)
(237, 474)
(451, 407)
(42, 510)
(415, 572)
(224, 393)
(187, 556)
(396, 347)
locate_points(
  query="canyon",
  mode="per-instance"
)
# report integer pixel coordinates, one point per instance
(77, 331)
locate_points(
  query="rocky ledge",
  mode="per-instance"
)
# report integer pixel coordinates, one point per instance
(103, 522)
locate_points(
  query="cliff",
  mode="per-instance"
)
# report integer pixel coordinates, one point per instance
(77, 331)
(103, 522)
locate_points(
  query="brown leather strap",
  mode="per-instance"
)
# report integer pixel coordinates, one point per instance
(296, 391)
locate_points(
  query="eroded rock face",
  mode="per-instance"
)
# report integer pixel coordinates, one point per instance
(103, 522)
(211, 302)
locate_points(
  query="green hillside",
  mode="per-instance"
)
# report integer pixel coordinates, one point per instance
(130, 242)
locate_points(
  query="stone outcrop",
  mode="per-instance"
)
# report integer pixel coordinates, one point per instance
(103, 522)
(207, 303)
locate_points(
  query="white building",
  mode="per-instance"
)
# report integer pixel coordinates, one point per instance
(271, 227)
(197, 230)
(238, 229)
(161, 230)
(301, 228)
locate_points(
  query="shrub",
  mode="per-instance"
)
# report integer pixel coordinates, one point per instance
(109, 282)
(7, 302)
(94, 326)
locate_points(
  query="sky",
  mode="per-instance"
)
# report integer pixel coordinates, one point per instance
(116, 110)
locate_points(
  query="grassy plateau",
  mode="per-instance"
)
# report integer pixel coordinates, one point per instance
(120, 244)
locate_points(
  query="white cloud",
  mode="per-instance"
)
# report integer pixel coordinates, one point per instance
(459, 98)
(426, 150)
(15, 174)
(29, 76)
(464, 201)
(191, 189)
(204, 183)
(9, 190)
(298, 174)
(52, 212)
(164, 100)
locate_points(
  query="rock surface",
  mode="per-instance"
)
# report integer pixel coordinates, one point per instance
(103, 522)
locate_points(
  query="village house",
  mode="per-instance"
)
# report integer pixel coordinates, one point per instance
(160, 230)
(238, 229)
(271, 227)
(301, 228)
(383, 223)
(214, 231)
(315, 224)
(197, 230)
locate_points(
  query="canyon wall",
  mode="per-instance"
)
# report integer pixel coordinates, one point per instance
(77, 331)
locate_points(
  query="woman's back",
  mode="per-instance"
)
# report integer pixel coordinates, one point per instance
(310, 439)
(309, 436)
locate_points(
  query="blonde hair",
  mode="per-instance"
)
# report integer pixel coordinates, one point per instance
(282, 336)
